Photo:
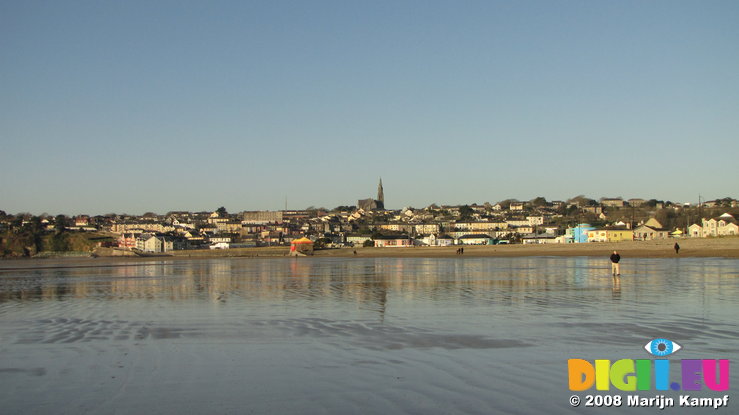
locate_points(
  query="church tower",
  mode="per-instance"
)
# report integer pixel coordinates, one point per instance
(380, 194)
(373, 204)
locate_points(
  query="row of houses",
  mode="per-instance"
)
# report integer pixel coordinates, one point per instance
(650, 230)
(401, 241)
(724, 225)
(151, 242)
(255, 229)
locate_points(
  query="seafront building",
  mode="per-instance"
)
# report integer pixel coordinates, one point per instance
(724, 225)
(610, 235)
(579, 234)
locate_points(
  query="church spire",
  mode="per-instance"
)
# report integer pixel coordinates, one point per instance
(380, 194)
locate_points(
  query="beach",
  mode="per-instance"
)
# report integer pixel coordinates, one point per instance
(727, 247)
(690, 247)
(453, 335)
(695, 247)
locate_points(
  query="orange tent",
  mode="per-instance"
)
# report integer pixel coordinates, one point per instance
(301, 246)
(302, 240)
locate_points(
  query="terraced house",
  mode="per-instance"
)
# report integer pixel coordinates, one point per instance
(724, 225)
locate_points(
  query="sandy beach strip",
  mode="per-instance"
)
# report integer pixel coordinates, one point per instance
(697, 247)
(727, 247)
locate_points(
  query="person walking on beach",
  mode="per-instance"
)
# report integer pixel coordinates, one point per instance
(615, 267)
(677, 248)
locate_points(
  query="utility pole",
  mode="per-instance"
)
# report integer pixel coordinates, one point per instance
(687, 222)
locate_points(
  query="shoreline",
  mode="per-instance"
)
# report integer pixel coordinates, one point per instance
(690, 248)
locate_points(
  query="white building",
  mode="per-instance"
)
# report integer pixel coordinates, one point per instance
(393, 242)
(724, 225)
(541, 239)
(154, 243)
(357, 240)
(427, 228)
(695, 231)
(476, 239)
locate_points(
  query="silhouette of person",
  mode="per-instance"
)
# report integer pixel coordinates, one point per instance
(615, 267)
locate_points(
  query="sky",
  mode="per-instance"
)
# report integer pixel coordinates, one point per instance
(138, 106)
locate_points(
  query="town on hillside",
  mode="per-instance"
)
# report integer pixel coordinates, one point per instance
(369, 224)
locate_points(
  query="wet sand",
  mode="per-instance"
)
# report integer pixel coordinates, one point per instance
(460, 335)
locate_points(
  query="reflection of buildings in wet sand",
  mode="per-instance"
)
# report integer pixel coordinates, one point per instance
(362, 281)
(512, 281)
(447, 279)
(174, 280)
(53, 286)
(367, 281)
(216, 281)
(37, 285)
(146, 281)
(345, 280)
(117, 282)
(710, 276)
(370, 282)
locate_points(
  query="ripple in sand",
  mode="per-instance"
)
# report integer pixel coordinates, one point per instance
(385, 336)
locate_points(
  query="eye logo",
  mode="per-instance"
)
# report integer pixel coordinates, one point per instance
(662, 347)
(641, 374)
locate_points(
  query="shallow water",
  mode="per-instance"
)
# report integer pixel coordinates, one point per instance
(346, 335)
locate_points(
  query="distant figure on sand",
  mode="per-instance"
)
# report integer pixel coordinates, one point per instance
(615, 267)
(677, 248)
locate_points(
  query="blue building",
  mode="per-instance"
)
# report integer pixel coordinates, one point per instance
(579, 234)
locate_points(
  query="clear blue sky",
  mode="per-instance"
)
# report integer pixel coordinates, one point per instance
(135, 106)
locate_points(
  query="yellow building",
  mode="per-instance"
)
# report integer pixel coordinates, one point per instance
(610, 235)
